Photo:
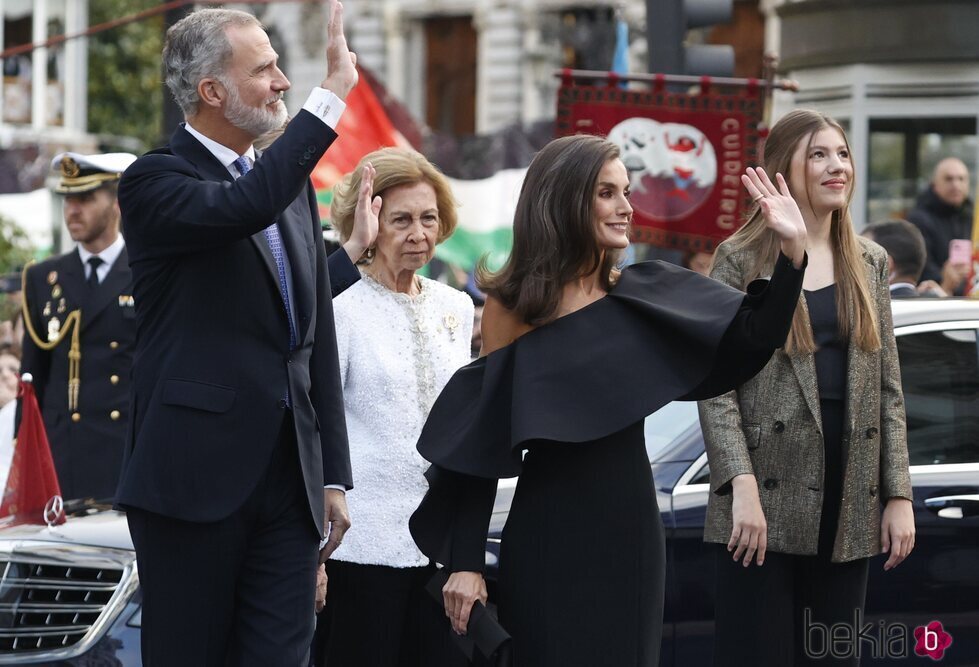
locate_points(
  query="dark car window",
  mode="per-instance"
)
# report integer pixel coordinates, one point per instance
(940, 375)
(702, 476)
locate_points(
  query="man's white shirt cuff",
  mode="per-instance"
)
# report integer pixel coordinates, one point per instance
(325, 105)
(336, 487)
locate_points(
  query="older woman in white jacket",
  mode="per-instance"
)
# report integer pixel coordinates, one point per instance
(400, 337)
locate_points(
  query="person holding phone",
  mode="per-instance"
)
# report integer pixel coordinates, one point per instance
(944, 214)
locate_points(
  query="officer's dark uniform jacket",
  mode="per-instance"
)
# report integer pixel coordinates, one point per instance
(87, 438)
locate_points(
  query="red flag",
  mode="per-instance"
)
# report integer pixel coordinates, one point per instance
(364, 127)
(32, 494)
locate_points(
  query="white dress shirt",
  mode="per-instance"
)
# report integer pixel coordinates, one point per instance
(396, 354)
(108, 257)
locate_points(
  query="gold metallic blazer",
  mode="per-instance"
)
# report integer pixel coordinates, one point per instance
(771, 427)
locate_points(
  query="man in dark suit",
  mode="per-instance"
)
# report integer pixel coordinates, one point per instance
(238, 421)
(81, 302)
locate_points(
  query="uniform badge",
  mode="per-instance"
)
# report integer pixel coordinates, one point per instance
(69, 167)
(56, 291)
(126, 301)
(62, 306)
(52, 278)
(54, 328)
(47, 309)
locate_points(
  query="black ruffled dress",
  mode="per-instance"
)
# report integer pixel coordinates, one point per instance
(582, 562)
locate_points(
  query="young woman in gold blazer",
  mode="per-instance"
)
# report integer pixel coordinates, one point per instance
(803, 456)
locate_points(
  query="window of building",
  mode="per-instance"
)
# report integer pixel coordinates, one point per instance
(18, 69)
(450, 76)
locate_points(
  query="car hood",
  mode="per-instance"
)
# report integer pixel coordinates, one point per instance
(89, 525)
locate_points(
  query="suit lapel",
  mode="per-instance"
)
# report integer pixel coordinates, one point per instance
(72, 281)
(268, 259)
(183, 143)
(804, 366)
(291, 226)
(108, 291)
(857, 360)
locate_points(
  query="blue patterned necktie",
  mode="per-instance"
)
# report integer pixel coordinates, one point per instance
(243, 165)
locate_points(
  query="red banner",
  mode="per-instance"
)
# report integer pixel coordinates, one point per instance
(685, 154)
(32, 494)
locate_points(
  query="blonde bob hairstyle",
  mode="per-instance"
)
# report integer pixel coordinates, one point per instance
(394, 167)
(856, 313)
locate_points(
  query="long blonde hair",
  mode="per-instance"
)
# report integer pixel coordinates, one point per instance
(762, 245)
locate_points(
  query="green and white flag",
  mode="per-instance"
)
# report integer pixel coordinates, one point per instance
(485, 226)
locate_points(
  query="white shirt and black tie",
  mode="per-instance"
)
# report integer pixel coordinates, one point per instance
(99, 264)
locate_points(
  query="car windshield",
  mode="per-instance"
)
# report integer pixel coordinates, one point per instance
(664, 425)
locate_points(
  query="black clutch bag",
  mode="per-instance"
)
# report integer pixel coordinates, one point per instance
(485, 641)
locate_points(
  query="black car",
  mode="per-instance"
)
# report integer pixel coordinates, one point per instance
(69, 595)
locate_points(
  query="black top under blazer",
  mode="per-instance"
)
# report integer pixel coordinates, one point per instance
(213, 365)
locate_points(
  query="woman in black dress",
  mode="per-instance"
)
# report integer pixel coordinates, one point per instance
(575, 355)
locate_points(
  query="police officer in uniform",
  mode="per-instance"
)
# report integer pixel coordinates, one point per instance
(80, 330)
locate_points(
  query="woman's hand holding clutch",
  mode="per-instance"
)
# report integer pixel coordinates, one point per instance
(460, 592)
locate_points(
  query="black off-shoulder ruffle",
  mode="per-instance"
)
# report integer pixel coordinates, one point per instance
(654, 339)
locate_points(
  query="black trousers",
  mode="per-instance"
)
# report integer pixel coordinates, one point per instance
(780, 614)
(379, 616)
(239, 591)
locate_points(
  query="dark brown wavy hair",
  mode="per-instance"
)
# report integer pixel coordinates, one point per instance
(554, 235)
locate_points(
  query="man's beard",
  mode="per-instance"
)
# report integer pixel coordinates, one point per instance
(254, 120)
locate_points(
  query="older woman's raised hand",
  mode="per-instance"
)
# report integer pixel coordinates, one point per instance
(782, 214)
(364, 231)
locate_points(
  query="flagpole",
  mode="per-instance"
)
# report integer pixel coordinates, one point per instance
(777, 84)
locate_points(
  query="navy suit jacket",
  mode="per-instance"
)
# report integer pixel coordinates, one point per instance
(213, 366)
(903, 291)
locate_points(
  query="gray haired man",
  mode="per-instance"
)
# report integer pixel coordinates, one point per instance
(237, 460)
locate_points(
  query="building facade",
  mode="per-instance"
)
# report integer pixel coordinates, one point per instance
(901, 75)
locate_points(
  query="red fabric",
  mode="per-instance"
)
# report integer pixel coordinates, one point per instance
(32, 481)
(685, 151)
